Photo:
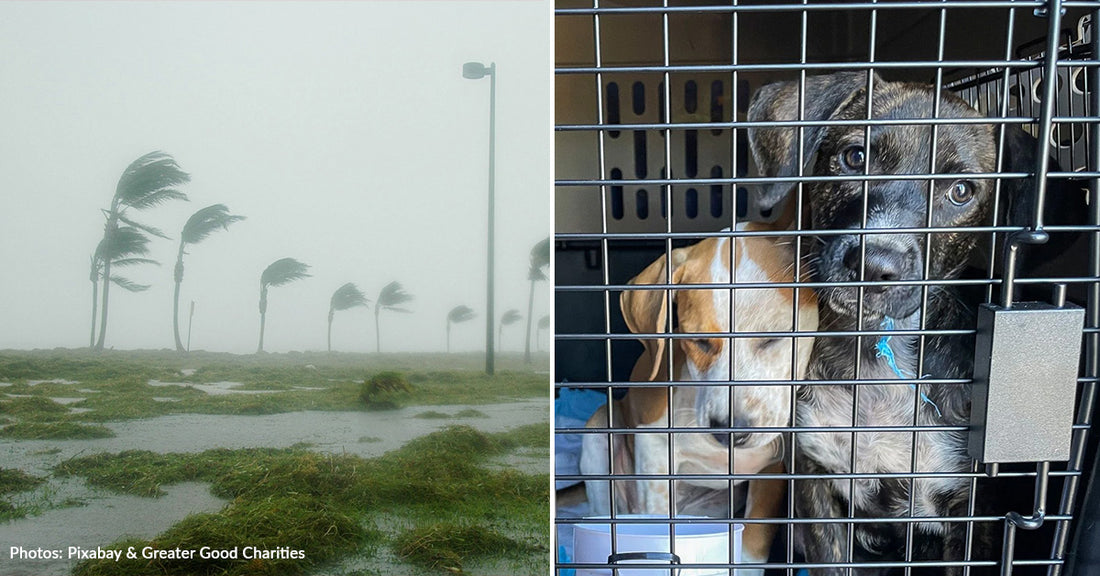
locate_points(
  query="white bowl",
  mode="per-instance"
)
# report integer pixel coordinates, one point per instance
(695, 544)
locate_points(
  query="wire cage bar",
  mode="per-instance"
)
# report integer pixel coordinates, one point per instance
(702, 198)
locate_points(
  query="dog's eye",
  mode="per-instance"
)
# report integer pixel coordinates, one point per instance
(853, 158)
(961, 192)
(767, 343)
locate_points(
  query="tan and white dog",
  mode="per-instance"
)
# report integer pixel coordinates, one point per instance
(756, 259)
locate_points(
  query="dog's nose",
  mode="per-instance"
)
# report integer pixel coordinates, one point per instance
(879, 264)
(737, 438)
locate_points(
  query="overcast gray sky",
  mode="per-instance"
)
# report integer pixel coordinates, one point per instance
(344, 131)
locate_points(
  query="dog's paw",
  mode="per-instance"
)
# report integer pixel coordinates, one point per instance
(747, 559)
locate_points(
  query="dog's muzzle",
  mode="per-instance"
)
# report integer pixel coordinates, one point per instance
(737, 439)
(884, 258)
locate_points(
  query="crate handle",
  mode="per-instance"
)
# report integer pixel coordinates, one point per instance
(655, 556)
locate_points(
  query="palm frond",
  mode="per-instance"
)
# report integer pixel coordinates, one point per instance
(540, 259)
(129, 285)
(540, 253)
(122, 242)
(460, 313)
(157, 198)
(544, 322)
(284, 271)
(143, 227)
(134, 262)
(510, 317)
(400, 310)
(206, 221)
(347, 296)
(150, 180)
(393, 294)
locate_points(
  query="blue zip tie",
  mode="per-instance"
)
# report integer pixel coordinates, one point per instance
(883, 350)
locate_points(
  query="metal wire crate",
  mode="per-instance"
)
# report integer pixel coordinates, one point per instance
(652, 155)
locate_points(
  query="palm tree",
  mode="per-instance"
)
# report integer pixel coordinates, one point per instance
(457, 315)
(127, 247)
(346, 296)
(544, 323)
(147, 182)
(280, 272)
(390, 298)
(510, 317)
(540, 258)
(200, 225)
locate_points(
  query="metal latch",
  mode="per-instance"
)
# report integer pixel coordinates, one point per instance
(1025, 381)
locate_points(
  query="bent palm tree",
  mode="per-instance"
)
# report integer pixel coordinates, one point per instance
(544, 324)
(147, 182)
(510, 317)
(391, 297)
(127, 247)
(346, 296)
(457, 315)
(540, 258)
(280, 272)
(200, 225)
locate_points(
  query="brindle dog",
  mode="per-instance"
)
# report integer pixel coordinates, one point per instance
(895, 204)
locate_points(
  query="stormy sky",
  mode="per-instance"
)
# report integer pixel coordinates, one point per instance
(343, 131)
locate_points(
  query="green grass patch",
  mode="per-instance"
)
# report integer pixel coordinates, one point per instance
(301, 523)
(12, 481)
(320, 503)
(385, 390)
(447, 546)
(33, 407)
(369, 439)
(471, 413)
(54, 431)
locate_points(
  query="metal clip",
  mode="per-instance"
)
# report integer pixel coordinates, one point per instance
(1015, 520)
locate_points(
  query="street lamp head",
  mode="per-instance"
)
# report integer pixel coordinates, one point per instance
(475, 70)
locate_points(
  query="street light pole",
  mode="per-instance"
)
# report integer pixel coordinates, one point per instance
(475, 71)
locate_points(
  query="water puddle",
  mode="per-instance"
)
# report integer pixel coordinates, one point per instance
(214, 388)
(339, 432)
(526, 460)
(105, 518)
(54, 381)
(64, 401)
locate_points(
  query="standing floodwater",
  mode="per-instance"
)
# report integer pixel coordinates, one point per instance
(161, 454)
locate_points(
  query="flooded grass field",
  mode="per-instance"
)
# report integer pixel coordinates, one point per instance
(286, 463)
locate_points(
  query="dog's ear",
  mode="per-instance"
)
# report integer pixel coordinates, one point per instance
(646, 312)
(1066, 205)
(775, 150)
(1018, 195)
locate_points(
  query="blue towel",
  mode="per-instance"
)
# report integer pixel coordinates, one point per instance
(572, 409)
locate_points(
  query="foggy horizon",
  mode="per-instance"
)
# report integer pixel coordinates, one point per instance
(343, 132)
